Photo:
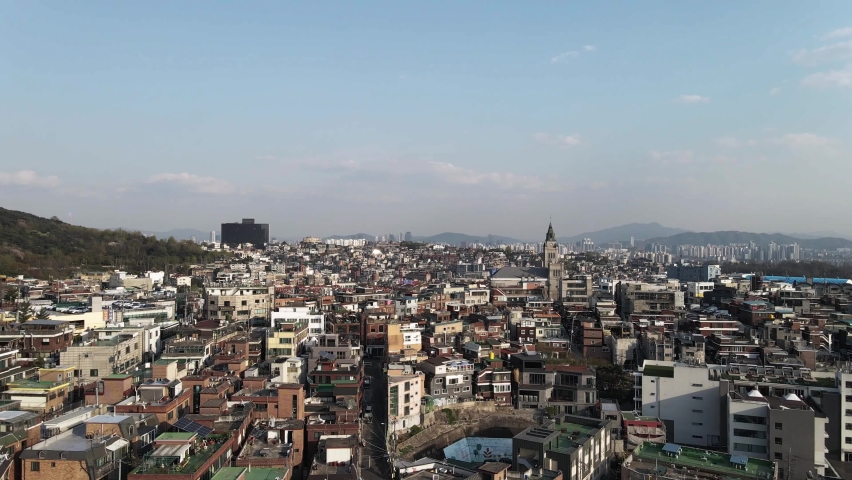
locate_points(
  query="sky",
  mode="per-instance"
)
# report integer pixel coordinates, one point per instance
(324, 118)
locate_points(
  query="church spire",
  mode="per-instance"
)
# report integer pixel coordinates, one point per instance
(551, 237)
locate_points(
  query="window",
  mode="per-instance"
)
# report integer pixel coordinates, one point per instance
(52, 464)
(697, 411)
(779, 441)
(697, 385)
(746, 447)
(35, 467)
(778, 426)
(697, 424)
(171, 415)
(848, 384)
(849, 426)
(848, 412)
(740, 432)
(93, 372)
(697, 436)
(778, 456)
(436, 392)
(697, 398)
(407, 386)
(750, 419)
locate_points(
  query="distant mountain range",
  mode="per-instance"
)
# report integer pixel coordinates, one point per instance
(179, 234)
(622, 233)
(729, 237)
(448, 238)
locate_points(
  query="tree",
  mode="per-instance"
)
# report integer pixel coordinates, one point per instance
(43, 314)
(11, 294)
(613, 382)
(25, 312)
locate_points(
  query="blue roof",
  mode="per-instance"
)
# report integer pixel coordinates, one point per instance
(739, 459)
(671, 448)
(822, 281)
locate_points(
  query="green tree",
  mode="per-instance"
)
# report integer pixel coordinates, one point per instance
(11, 294)
(42, 314)
(25, 312)
(613, 382)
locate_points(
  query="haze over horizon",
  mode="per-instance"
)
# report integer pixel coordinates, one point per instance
(339, 118)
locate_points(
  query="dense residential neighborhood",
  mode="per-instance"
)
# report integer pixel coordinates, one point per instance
(394, 359)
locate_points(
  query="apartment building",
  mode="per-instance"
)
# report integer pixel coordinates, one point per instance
(237, 303)
(404, 394)
(94, 359)
(576, 289)
(579, 447)
(314, 319)
(786, 430)
(286, 336)
(448, 379)
(684, 397)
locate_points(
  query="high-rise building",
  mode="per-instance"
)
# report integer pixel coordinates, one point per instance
(247, 232)
(213, 236)
(407, 236)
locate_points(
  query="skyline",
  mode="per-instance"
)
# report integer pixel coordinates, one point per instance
(474, 118)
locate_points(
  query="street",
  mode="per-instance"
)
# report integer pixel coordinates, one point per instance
(374, 456)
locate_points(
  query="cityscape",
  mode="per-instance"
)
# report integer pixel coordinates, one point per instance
(380, 358)
(425, 241)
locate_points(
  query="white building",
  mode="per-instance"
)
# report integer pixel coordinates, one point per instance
(695, 291)
(683, 397)
(403, 399)
(316, 323)
(290, 370)
(843, 377)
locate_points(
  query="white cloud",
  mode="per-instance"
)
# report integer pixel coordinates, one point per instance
(589, 48)
(728, 142)
(835, 52)
(834, 78)
(725, 159)
(558, 140)
(733, 142)
(839, 33)
(774, 91)
(564, 57)
(677, 157)
(805, 140)
(693, 99)
(28, 178)
(465, 176)
(194, 183)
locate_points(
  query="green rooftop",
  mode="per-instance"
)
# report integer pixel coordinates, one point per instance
(117, 375)
(164, 361)
(630, 416)
(183, 436)
(658, 371)
(265, 473)
(35, 385)
(229, 473)
(708, 461)
(571, 436)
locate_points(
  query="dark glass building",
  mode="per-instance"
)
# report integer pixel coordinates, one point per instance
(256, 234)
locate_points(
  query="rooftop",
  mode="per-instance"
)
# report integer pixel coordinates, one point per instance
(658, 371)
(176, 436)
(198, 455)
(649, 456)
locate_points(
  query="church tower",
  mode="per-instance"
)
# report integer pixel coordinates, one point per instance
(551, 262)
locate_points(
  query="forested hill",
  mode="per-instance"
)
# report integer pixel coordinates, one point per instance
(38, 247)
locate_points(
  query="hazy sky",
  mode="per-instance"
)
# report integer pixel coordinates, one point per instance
(479, 117)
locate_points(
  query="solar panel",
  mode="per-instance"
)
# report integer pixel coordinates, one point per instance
(188, 425)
